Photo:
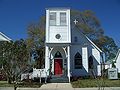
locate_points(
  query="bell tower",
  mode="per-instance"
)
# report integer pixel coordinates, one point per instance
(58, 25)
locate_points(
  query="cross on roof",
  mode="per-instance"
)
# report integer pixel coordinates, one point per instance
(75, 21)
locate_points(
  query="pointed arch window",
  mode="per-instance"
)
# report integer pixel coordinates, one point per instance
(75, 39)
(58, 55)
(90, 62)
(78, 61)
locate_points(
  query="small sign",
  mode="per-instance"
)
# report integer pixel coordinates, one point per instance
(113, 73)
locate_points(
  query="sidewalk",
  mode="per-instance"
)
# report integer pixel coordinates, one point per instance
(68, 86)
(6, 88)
(111, 88)
(57, 86)
(106, 88)
(51, 86)
(65, 86)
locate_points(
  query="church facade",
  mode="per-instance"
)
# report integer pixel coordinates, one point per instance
(68, 52)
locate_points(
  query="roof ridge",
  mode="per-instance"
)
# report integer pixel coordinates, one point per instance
(89, 39)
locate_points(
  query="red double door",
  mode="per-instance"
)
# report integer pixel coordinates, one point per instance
(58, 66)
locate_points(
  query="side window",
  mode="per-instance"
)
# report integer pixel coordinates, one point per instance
(52, 18)
(78, 61)
(62, 18)
(90, 62)
(75, 39)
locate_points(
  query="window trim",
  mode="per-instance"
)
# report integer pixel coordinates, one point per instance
(54, 20)
(63, 22)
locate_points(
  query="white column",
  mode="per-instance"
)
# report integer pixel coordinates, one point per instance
(69, 27)
(68, 63)
(85, 58)
(47, 61)
(47, 26)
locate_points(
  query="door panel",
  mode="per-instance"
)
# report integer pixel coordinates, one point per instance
(58, 67)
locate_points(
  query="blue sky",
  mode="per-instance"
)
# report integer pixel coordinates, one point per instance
(16, 15)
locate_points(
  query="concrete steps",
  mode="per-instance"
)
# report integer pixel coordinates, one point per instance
(58, 79)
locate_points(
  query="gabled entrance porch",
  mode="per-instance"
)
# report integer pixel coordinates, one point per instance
(58, 63)
(59, 69)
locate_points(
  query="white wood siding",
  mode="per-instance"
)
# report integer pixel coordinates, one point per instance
(62, 30)
(4, 37)
(118, 63)
(96, 55)
(97, 59)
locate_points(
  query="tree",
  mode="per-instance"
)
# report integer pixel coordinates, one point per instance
(15, 59)
(109, 47)
(35, 43)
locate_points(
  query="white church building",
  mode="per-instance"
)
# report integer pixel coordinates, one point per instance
(68, 52)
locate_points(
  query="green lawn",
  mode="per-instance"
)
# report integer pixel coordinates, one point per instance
(25, 84)
(5, 84)
(94, 83)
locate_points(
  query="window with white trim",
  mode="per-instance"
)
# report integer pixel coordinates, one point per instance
(62, 18)
(78, 61)
(52, 18)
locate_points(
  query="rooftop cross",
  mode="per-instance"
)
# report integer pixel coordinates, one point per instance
(75, 21)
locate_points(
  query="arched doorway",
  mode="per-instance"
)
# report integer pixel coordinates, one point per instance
(58, 63)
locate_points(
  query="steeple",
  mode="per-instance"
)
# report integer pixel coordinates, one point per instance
(58, 25)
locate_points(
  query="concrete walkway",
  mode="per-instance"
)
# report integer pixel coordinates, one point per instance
(68, 86)
(65, 86)
(51, 86)
(6, 88)
(56, 86)
(111, 88)
(59, 86)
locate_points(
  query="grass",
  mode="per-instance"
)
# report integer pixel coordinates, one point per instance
(5, 84)
(22, 84)
(29, 84)
(83, 83)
